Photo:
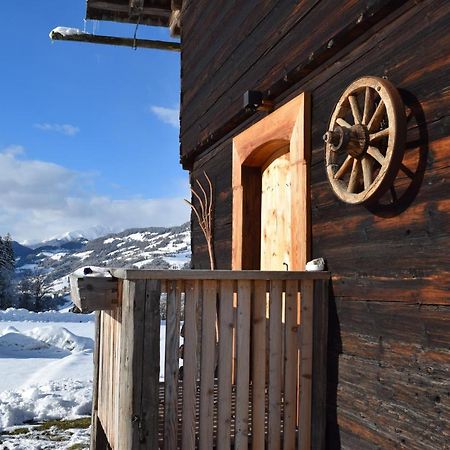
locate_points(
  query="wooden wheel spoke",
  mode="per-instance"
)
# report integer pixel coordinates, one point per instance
(355, 108)
(377, 116)
(354, 177)
(368, 101)
(409, 173)
(367, 172)
(376, 154)
(379, 135)
(393, 194)
(344, 168)
(343, 123)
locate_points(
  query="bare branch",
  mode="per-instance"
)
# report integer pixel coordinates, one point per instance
(205, 214)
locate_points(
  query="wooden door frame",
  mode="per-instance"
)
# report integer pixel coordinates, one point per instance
(289, 125)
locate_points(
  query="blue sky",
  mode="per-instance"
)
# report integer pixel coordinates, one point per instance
(88, 133)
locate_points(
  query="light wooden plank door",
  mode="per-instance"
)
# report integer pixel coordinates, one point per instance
(276, 214)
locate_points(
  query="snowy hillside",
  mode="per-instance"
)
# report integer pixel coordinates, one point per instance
(162, 248)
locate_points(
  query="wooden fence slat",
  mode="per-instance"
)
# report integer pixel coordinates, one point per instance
(111, 387)
(306, 336)
(107, 383)
(275, 363)
(95, 425)
(101, 368)
(291, 364)
(190, 364)
(128, 433)
(148, 408)
(172, 366)
(243, 363)
(208, 344)
(319, 379)
(259, 364)
(114, 355)
(225, 364)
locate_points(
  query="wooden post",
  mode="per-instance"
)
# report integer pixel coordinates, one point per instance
(139, 366)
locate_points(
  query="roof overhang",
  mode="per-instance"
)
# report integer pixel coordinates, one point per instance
(144, 12)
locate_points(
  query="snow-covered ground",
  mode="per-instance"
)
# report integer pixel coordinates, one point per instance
(46, 365)
(46, 371)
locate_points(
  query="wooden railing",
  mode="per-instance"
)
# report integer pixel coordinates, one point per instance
(241, 377)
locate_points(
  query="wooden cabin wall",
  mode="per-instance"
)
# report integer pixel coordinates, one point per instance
(389, 352)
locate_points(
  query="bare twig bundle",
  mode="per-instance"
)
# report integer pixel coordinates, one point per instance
(204, 214)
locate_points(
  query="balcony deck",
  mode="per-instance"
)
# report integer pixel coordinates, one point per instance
(243, 376)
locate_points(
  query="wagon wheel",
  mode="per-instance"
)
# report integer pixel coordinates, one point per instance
(365, 142)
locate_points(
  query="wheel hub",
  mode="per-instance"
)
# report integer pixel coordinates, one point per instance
(353, 140)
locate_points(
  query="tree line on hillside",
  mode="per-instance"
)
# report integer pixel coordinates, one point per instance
(28, 292)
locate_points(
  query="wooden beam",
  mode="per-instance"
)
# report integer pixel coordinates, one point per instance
(148, 274)
(111, 40)
(94, 294)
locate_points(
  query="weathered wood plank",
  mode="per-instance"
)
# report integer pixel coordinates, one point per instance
(319, 365)
(306, 355)
(98, 439)
(150, 367)
(275, 363)
(94, 293)
(291, 365)
(243, 364)
(208, 345)
(259, 324)
(128, 433)
(171, 365)
(146, 274)
(190, 363)
(226, 325)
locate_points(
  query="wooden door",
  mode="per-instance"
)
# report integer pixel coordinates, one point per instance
(271, 223)
(276, 213)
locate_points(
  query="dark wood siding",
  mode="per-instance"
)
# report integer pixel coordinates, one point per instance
(389, 352)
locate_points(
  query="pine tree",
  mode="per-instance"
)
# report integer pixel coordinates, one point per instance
(7, 265)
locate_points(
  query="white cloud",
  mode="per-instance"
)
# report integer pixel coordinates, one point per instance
(167, 115)
(39, 200)
(65, 128)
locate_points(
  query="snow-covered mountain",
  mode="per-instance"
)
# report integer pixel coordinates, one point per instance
(163, 248)
(71, 236)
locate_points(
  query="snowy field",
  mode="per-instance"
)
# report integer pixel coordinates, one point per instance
(46, 373)
(46, 366)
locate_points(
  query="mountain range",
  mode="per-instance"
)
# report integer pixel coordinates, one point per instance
(144, 248)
